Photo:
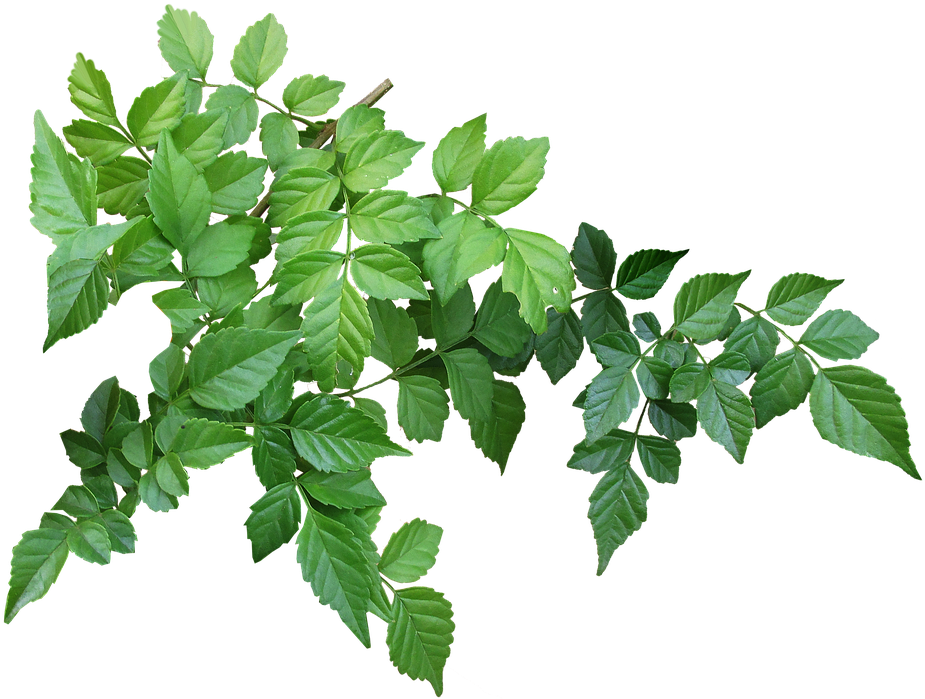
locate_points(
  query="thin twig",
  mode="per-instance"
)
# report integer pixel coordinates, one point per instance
(326, 133)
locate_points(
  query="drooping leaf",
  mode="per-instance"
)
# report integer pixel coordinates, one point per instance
(704, 303)
(236, 182)
(423, 407)
(857, 410)
(612, 397)
(452, 321)
(273, 455)
(605, 453)
(458, 154)
(83, 450)
(242, 112)
(77, 501)
(673, 420)
(602, 313)
(593, 257)
(618, 509)
(559, 348)
(37, 560)
(171, 476)
(274, 520)
(155, 497)
(420, 634)
(260, 52)
(781, 386)
(643, 273)
(91, 93)
(537, 270)
(794, 298)
(508, 173)
(279, 138)
(385, 273)
(312, 96)
(386, 216)
(411, 551)
(78, 293)
(757, 339)
(839, 335)
(496, 436)
(299, 191)
(157, 108)
(185, 42)
(396, 337)
(688, 382)
(180, 308)
(467, 248)
(660, 458)
(376, 158)
(498, 325)
(471, 383)
(726, 415)
(101, 409)
(120, 530)
(350, 490)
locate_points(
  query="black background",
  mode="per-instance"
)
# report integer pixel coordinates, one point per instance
(774, 165)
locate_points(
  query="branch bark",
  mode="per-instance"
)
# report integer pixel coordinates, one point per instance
(322, 138)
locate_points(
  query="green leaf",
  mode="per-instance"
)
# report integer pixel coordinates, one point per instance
(299, 191)
(647, 327)
(119, 529)
(121, 185)
(157, 108)
(781, 386)
(385, 273)
(219, 249)
(186, 42)
(496, 437)
(337, 328)
(660, 458)
(471, 383)
(396, 336)
(274, 401)
(730, 367)
(37, 560)
(420, 634)
(260, 52)
(726, 415)
(153, 495)
(201, 137)
(559, 348)
(612, 397)
(242, 112)
(857, 410)
(99, 143)
(53, 520)
(102, 408)
(373, 409)
(458, 154)
(467, 248)
(223, 293)
(618, 508)
(83, 450)
(423, 407)
(273, 455)
(333, 436)
(704, 303)
(179, 196)
(63, 189)
(279, 138)
(350, 490)
(376, 158)
(673, 420)
(77, 501)
(757, 339)
(602, 313)
(180, 308)
(593, 257)
(794, 298)
(411, 551)
(386, 216)
(508, 173)
(688, 382)
(355, 123)
(311, 96)
(142, 249)
(91, 93)
(839, 335)
(90, 541)
(274, 520)
(538, 272)
(171, 476)
(616, 349)
(654, 376)
(643, 273)
(203, 443)
(138, 447)
(453, 320)
(88, 244)
(498, 325)
(236, 182)
(335, 565)
(300, 278)
(228, 369)
(78, 293)
(604, 454)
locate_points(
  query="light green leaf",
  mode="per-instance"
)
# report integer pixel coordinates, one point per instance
(604, 454)
(315, 230)
(593, 257)
(616, 349)
(274, 520)
(307, 157)
(273, 455)
(63, 189)
(142, 249)
(228, 369)
(335, 565)
(236, 182)
(90, 541)
(612, 397)
(186, 42)
(781, 386)
(496, 437)
(167, 370)
(300, 278)
(180, 308)
(91, 93)
(278, 138)
(396, 336)
(333, 436)
(857, 410)
(179, 196)
(467, 248)
(601, 313)
(423, 407)
(756, 338)
(471, 383)
(300, 191)
(242, 112)
(201, 137)
(385, 273)
(260, 52)
(203, 443)
(157, 108)
(559, 348)
(420, 634)
(704, 303)
(37, 560)
(376, 158)
(99, 143)
(411, 551)
(219, 249)
(224, 292)
(726, 415)
(171, 476)
(121, 185)
(355, 123)
(508, 173)
(794, 298)
(643, 273)
(660, 458)
(350, 490)
(458, 154)
(88, 244)
(537, 270)
(393, 217)
(839, 335)
(78, 294)
(673, 420)
(275, 400)
(618, 509)
(337, 328)
(311, 96)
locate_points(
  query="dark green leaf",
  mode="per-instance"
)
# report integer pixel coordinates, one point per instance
(602, 313)
(120, 530)
(673, 420)
(593, 257)
(83, 450)
(411, 551)
(559, 348)
(37, 561)
(349, 490)
(420, 634)
(605, 453)
(101, 408)
(499, 327)
(726, 415)
(616, 349)
(643, 273)
(839, 335)
(274, 456)
(730, 367)
(90, 541)
(688, 382)
(612, 397)
(496, 437)
(654, 376)
(757, 339)
(660, 458)
(453, 320)
(167, 370)
(704, 303)
(618, 508)
(793, 299)
(274, 520)
(508, 173)
(647, 327)
(77, 501)
(781, 386)
(471, 383)
(423, 407)
(396, 337)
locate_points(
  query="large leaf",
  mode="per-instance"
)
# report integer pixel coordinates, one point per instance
(467, 248)
(274, 520)
(756, 338)
(458, 154)
(857, 410)
(100, 144)
(781, 385)
(393, 217)
(91, 92)
(78, 293)
(385, 273)
(496, 436)
(471, 383)
(612, 397)
(643, 273)
(593, 257)
(157, 108)
(203, 443)
(660, 458)
(498, 325)
(420, 634)
(260, 52)
(228, 369)
(411, 551)
(351, 490)
(423, 407)
(618, 508)
(508, 173)
(375, 159)
(312, 96)
(793, 299)
(538, 271)
(333, 436)
(726, 415)
(185, 42)
(236, 182)
(704, 303)
(37, 561)
(335, 565)
(396, 336)
(142, 249)
(839, 335)
(299, 191)
(559, 348)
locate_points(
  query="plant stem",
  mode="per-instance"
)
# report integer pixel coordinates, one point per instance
(282, 111)
(134, 143)
(796, 345)
(641, 415)
(584, 296)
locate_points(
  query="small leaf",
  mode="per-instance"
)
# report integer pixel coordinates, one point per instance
(660, 458)
(616, 349)
(385, 273)
(202, 443)
(77, 296)
(559, 348)
(508, 173)
(299, 191)
(497, 324)
(376, 158)
(468, 247)
(351, 490)
(37, 561)
(171, 476)
(355, 123)
(602, 313)
(120, 530)
(396, 337)
(593, 257)
(726, 415)
(121, 185)
(730, 367)
(311, 96)
(99, 143)
(235, 182)
(242, 112)
(273, 455)
(180, 308)
(185, 42)
(279, 138)
(604, 454)
(793, 299)
(643, 273)
(302, 277)
(274, 520)
(647, 327)
(538, 272)
(673, 420)
(839, 335)
(612, 397)
(156, 109)
(688, 382)
(77, 501)
(704, 303)
(496, 437)
(91, 93)
(83, 450)
(385, 216)
(315, 230)
(452, 321)
(411, 551)
(153, 495)
(654, 376)
(471, 383)
(757, 339)
(420, 634)
(90, 541)
(781, 386)
(423, 407)
(101, 409)
(458, 154)
(260, 52)
(618, 509)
